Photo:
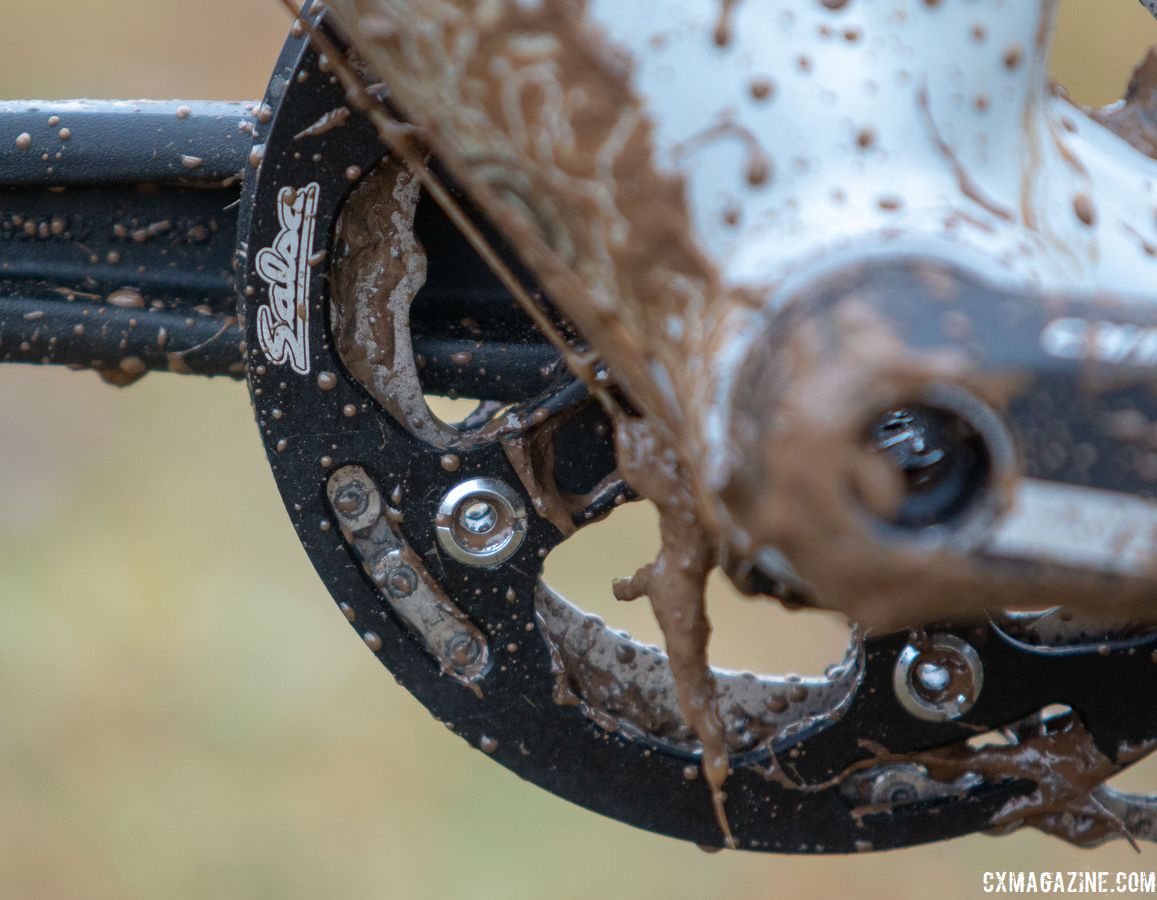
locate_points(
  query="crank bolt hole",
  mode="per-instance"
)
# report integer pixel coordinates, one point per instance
(942, 460)
(951, 451)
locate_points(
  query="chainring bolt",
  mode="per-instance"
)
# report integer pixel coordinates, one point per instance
(481, 522)
(938, 680)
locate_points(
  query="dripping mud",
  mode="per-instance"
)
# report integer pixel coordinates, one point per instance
(480, 103)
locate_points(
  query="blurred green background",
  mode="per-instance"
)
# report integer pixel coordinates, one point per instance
(160, 738)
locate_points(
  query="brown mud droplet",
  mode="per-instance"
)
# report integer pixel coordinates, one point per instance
(762, 88)
(722, 33)
(23, 141)
(758, 171)
(1084, 208)
(126, 298)
(487, 744)
(327, 381)
(373, 641)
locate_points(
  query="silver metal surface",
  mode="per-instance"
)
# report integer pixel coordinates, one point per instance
(481, 522)
(627, 687)
(939, 680)
(1079, 526)
(900, 784)
(402, 581)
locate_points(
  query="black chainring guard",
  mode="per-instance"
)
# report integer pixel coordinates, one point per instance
(556, 746)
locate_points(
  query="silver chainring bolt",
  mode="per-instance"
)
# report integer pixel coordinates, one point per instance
(481, 522)
(938, 680)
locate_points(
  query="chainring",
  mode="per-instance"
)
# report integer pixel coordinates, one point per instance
(517, 671)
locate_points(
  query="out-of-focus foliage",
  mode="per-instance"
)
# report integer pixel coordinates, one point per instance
(182, 711)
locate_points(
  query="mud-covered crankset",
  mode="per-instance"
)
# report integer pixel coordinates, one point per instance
(431, 539)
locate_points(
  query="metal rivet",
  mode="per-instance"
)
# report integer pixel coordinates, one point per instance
(351, 501)
(463, 650)
(402, 581)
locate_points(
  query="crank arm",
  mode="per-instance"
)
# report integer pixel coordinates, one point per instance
(118, 229)
(1023, 463)
(118, 222)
